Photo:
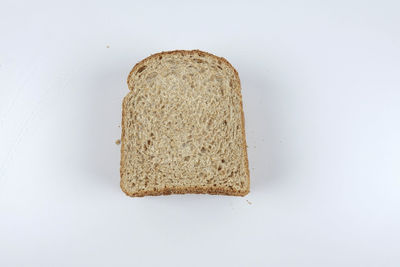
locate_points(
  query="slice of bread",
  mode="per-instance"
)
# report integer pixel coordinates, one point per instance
(183, 127)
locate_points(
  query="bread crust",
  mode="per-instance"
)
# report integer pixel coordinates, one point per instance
(185, 190)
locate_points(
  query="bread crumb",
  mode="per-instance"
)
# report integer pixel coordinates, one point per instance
(118, 141)
(108, 46)
(249, 202)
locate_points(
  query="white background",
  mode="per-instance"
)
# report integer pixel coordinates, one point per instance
(321, 92)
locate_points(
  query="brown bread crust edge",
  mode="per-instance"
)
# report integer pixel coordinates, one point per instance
(186, 190)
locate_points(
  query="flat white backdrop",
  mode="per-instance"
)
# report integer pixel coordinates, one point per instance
(321, 92)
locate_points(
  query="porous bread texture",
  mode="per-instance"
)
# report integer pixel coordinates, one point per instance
(183, 127)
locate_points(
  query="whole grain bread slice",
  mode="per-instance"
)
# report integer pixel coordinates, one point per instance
(183, 127)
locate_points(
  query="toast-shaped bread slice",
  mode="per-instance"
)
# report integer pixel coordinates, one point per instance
(183, 127)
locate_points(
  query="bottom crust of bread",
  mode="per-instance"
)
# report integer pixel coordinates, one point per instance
(188, 190)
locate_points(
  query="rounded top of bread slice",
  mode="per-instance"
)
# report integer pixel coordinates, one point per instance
(181, 57)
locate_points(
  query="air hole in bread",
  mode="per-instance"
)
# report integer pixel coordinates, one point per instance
(141, 69)
(209, 124)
